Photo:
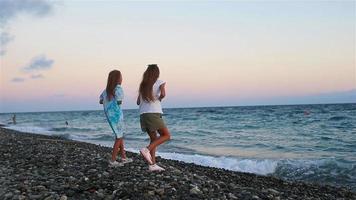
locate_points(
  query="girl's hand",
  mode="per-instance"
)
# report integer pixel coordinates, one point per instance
(138, 101)
(163, 91)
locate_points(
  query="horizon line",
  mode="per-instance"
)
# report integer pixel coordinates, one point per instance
(221, 106)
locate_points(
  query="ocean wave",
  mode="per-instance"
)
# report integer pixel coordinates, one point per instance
(190, 118)
(248, 126)
(71, 129)
(52, 131)
(103, 137)
(209, 110)
(263, 166)
(30, 129)
(338, 118)
(328, 170)
(325, 138)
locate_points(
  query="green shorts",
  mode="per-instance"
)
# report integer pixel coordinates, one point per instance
(151, 122)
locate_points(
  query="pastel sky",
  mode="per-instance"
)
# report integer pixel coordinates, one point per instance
(56, 55)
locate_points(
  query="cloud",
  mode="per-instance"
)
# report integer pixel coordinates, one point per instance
(39, 63)
(5, 38)
(17, 80)
(37, 76)
(10, 9)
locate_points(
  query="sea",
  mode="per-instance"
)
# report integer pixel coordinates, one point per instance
(311, 143)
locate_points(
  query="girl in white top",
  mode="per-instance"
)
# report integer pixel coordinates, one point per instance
(151, 93)
(153, 106)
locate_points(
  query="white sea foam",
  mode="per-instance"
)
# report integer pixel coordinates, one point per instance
(263, 166)
(30, 129)
(50, 131)
(257, 166)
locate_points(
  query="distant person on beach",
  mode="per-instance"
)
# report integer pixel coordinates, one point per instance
(14, 119)
(111, 98)
(151, 93)
(67, 123)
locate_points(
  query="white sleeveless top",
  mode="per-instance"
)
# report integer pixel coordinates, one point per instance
(152, 106)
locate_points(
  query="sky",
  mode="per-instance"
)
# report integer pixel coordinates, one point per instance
(56, 55)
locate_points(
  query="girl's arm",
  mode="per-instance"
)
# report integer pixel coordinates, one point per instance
(138, 101)
(119, 95)
(163, 91)
(101, 98)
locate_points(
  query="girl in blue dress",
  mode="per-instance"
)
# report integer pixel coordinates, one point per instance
(111, 98)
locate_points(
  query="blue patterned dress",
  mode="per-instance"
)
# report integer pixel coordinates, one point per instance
(113, 111)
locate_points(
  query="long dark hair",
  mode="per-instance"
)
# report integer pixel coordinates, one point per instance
(114, 78)
(149, 77)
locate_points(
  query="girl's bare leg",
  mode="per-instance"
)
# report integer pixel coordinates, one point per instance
(153, 137)
(115, 149)
(122, 149)
(164, 136)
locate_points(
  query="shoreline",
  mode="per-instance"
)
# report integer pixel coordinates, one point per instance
(50, 167)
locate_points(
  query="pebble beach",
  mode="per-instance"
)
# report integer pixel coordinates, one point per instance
(36, 166)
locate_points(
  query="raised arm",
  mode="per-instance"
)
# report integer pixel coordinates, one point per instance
(163, 91)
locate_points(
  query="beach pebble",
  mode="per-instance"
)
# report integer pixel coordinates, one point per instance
(232, 185)
(160, 191)
(109, 197)
(63, 197)
(34, 196)
(39, 188)
(255, 197)
(8, 195)
(272, 191)
(92, 171)
(49, 198)
(100, 194)
(195, 190)
(173, 190)
(231, 196)
(17, 191)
